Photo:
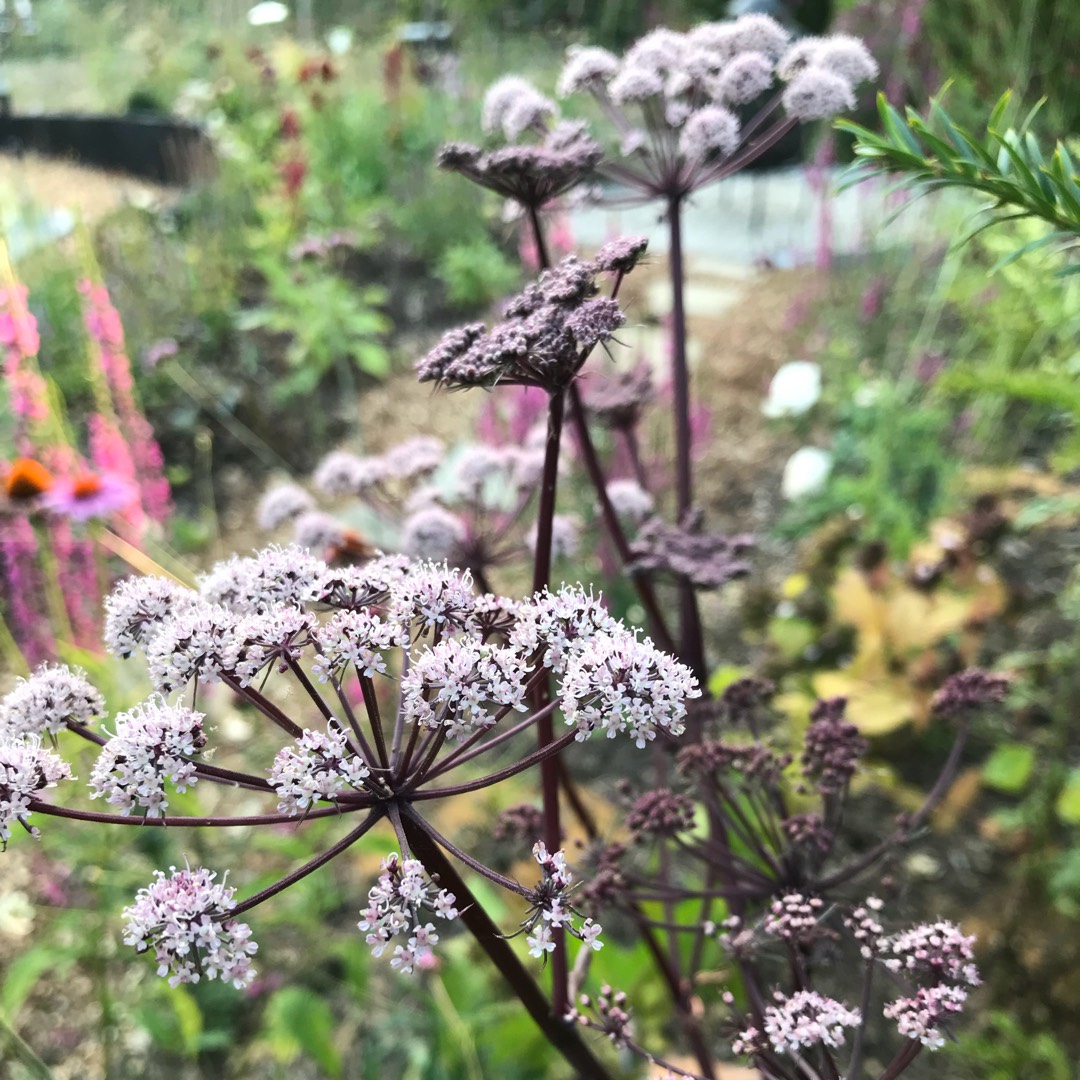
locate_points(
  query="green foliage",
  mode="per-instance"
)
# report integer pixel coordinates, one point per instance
(1005, 1051)
(1009, 767)
(328, 323)
(891, 465)
(1006, 164)
(476, 273)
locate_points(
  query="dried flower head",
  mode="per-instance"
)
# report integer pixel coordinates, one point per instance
(688, 553)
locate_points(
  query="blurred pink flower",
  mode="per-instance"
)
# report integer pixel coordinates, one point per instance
(88, 495)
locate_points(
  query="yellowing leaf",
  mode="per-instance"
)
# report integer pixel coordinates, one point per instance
(875, 707)
(794, 586)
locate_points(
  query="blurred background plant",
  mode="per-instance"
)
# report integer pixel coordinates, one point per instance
(259, 306)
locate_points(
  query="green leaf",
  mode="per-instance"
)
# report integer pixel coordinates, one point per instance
(1067, 805)
(22, 973)
(1009, 767)
(298, 1020)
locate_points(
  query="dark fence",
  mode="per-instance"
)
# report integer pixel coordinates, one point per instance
(155, 148)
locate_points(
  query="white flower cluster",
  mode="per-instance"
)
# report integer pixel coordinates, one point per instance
(153, 742)
(460, 685)
(560, 624)
(136, 608)
(395, 907)
(355, 637)
(47, 702)
(619, 682)
(185, 918)
(552, 909)
(25, 771)
(318, 765)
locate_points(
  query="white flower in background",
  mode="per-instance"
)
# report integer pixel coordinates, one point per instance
(867, 394)
(268, 13)
(16, 915)
(339, 40)
(806, 472)
(794, 389)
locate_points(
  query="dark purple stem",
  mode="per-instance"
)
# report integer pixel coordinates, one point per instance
(562, 1035)
(310, 867)
(36, 806)
(612, 523)
(691, 646)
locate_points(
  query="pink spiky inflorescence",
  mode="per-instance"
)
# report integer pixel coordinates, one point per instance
(106, 332)
(19, 342)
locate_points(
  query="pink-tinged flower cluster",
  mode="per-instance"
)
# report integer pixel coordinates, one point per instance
(620, 682)
(462, 686)
(147, 465)
(19, 343)
(396, 906)
(283, 503)
(256, 583)
(185, 919)
(673, 96)
(433, 597)
(319, 765)
(52, 698)
(794, 917)
(26, 770)
(799, 1022)
(551, 907)
(151, 743)
(922, 1015)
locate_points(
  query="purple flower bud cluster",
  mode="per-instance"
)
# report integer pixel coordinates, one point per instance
(607, 1013)
(794, 917)
(185, 919)
(832, 747)
(549, 331)
(396, 905)
(617, 401)
(967, 691)
(661, 813)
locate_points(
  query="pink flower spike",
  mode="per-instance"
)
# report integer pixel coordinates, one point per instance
(89, 495)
